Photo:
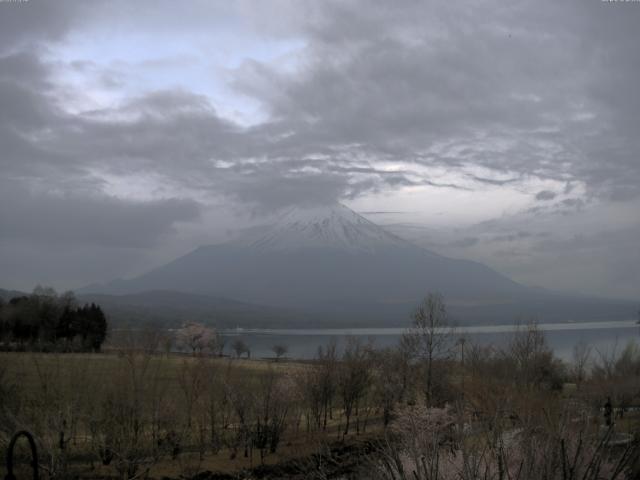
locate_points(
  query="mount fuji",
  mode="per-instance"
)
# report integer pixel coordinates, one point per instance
(345, 269)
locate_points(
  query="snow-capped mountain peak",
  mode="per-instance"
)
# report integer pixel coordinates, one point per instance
(326, 226)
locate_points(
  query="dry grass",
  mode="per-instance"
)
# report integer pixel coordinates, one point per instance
(40, 387)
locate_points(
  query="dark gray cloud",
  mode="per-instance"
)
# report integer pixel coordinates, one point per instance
(585, 251)
(545, 195)
(35, 21)
(82, 219)
(529, 90)
(465, 242)
(380, 99)
(611, 256)
(517, 92)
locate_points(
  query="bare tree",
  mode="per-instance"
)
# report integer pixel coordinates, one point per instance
(55, 409)
(273, 394)
(310, 391)
(216, 344)
(279, 350)
(122, 420)
(605, 362)
(354, 377)
(327, 362)
(240, 347)
(532, 358)
(191, 380)
(216, 409)
(430, 335)
(581, 357)
(389, 380)
(240, 396)
(317, 386)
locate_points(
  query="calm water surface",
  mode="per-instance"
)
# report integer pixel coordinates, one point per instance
(304, 343)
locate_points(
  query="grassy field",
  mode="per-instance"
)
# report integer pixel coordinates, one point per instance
(26, 368)
(207, 408)
(133, 414)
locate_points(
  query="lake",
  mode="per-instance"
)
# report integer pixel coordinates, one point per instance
(304, 343)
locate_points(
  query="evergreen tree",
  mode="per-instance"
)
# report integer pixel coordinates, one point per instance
(45, 319)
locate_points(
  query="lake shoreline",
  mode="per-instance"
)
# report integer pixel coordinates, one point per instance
(499, 328)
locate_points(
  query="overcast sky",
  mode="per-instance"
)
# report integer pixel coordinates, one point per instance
(505, 132)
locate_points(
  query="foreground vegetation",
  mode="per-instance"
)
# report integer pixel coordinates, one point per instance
(435, 407)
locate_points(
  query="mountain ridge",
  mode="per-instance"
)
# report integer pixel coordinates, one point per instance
(340, 268)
